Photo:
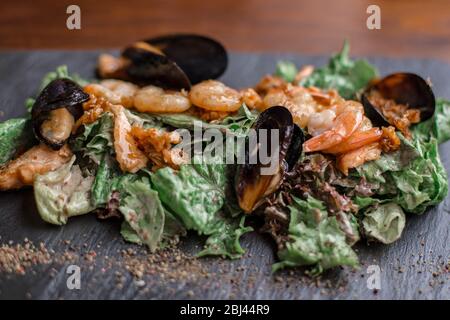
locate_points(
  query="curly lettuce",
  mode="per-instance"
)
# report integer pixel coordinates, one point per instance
(413, 177)
(347, 76)
(196, 195)
(384, 223)
(63, 193)
(286, 70)
(238, 123)
(314, 239)
(438, 126)
(143, 212)
(96, 138)
(16, 136)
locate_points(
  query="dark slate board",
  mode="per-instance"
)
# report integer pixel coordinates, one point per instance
(425, 240)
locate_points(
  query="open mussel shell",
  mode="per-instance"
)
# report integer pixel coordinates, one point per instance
(200, 57)
(55, 111)
(148, 65)
(404, 88)
(251, 184)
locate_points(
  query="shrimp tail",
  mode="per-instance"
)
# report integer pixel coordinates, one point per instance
(357, 157)
(344, 126)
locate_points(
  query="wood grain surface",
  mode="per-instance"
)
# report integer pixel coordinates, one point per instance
(409, 28)
(411, 268)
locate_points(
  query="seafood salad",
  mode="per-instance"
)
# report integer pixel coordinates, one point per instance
(354, 154)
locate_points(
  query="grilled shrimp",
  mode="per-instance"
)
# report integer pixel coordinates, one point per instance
(251, 98)
(215, 96)
(298, 100)
(268, 83)
(115, 91)
(349, 117)
(154, 99)
(356, 140)
(358, 157)
(110, 66)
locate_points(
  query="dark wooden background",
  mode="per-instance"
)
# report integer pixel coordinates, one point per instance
(410, 28)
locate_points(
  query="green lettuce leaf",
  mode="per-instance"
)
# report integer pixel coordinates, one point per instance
(438, 126)
(286, 70)
(196, 195)
(238, 124)
(96, 139)
(384, 223)
(61, 72)
(107, 179)
(172, 231)
(347, 76)
(173, 228)
(225, 240)
(143, 211)
(413, 177)
(128, 233)
(16, 136)
(144, 120)
(315, 239)
(63, 193)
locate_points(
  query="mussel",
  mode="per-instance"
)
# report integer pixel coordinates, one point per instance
(200, 57)
(170, 62)
(399, 99)
(251, 185)
(55, 111)
(148, 65)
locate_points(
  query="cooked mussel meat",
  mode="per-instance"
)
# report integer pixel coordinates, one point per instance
(55, 111)
(399, 99)
(170, 62)
(251, 184)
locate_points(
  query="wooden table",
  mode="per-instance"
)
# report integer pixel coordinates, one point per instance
(409, 28)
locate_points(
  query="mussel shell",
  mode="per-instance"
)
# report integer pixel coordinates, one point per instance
(60, 93)
(290, 147)
(148, 67)
(295, 148)
(404, 88)
(200, 57)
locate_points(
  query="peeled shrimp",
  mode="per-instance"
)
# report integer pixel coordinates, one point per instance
(320, 122)
(215, 96)
(251, 98)
(297, 99)
(325, 98)
(349, 116)
(38, 160)
(358, 157)
(356, 140)
(155, 99)
(115, 91)
(110, 66)
(128, 155)
(270, 82)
